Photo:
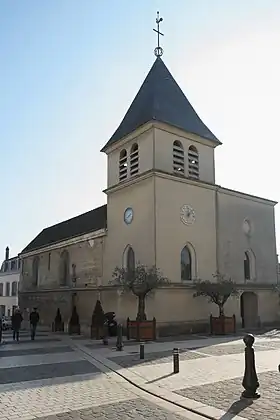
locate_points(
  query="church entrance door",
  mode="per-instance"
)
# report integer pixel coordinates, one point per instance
(249, 309)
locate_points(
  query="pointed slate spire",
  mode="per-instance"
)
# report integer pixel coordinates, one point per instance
(161, 99)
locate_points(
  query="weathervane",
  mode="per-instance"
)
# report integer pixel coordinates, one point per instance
(158, 50)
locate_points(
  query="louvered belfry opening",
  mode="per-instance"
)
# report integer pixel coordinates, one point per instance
(193, 159)
(134, 159)
(178, 158)
(123, 165)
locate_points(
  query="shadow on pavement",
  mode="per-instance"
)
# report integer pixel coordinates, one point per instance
(236, 409)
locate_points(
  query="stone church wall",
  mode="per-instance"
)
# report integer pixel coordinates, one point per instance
(234, 239)
(48, 295)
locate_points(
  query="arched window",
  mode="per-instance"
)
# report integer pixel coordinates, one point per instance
(186, 264)
(130, 260)
(64, 268)
(35, 271)
(134, 159)
(178, 158)
(249, 265)
(123, 165)
(193, 160)
(14, 288)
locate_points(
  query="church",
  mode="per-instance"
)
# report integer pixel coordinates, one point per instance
(163, 208)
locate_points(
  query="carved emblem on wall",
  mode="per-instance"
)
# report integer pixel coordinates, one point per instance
(247, 227)
(187, 214)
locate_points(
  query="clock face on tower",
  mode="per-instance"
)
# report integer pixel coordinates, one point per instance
(187, 214)
(128, 215)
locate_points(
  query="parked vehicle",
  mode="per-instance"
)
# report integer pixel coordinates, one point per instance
(6, 323)
(112, 323)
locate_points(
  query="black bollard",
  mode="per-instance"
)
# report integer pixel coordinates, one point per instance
(175, 360)
(119, 345)
(142, 351)
(250, 380)
(105, 334)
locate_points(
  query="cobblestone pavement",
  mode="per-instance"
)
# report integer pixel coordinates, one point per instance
(154, 358)
(226, 396)
(134, 409)
(213, 376)
(49, 380)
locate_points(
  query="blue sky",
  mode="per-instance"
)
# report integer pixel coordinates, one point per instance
(70, 69)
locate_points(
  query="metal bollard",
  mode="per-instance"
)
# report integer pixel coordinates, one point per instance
(175, 360)
(119, 345)
(250, 380)
(105, 334)
(142, 351)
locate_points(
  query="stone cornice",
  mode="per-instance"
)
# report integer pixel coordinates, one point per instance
(63, 244)
(176, 286)
(198, 183)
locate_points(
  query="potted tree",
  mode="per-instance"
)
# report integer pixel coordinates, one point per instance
(74, 323)
(141, 282)
(218, 292)
(97, 321)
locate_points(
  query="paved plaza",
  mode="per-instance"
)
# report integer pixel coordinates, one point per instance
(51, 379)
(58, 377)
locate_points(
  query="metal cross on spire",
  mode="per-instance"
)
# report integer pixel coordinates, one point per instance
(158, 50)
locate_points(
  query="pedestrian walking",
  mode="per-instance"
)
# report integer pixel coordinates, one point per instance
(33, 319)
(16, 324)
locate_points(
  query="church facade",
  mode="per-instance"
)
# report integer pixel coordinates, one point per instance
(164, 208)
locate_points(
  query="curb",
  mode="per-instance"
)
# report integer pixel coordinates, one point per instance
(192, 406)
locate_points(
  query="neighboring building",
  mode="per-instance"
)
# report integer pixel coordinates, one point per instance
(9, 280)
(165, 209)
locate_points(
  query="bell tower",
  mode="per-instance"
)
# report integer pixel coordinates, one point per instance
(160, 136)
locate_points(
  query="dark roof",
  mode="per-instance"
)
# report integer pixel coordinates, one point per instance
(161, 99)
(84, 223)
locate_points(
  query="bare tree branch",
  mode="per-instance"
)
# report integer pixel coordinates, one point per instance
(218, 291)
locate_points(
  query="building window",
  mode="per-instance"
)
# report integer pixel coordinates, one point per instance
(247, 274)
(19, 264)
(134, 159)
(35, 271)
(49, 261)
(178, 158)
(1, 289)
(193, 159)
(186, 264)
(249, 265)
(13, 265)
(3, 310)
(123, 165)
(64, 268)
(14, 288)
(7, 289)
(130, 260)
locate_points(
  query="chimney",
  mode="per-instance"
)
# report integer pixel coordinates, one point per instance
(7, 253)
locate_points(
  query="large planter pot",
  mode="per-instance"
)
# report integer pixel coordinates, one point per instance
(96, 333)
(141, 330)
(222, 325)
(74, 329)
(58, 326)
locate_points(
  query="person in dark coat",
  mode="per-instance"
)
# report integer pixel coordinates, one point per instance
(16, 323)
(34, 319)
